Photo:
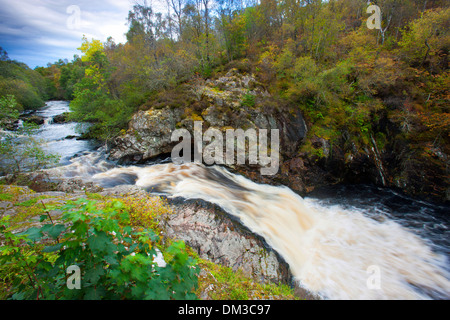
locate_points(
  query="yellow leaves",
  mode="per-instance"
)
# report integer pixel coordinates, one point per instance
(426, 37)
(436, 121)
(90, 48)
(196, 117)
(146, 211)
(269, 56)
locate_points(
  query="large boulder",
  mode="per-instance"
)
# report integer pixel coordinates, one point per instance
(61, 118)
(38, 120)
(233, 101)
(148, 136)
(218, 238)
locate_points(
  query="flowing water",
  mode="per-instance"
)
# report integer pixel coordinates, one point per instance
(342, 242)
(55, 134)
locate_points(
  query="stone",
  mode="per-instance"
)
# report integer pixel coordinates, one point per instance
(216, 237)
(149, 135)
(33, 119)
(61, 118)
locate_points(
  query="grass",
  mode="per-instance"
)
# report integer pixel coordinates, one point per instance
(216, 282)
(6, 197)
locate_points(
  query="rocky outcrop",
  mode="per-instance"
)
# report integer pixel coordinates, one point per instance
(230, 102)
(148, 136)
(38, 120)
(61, 118)
(238, 101)
(218, 238)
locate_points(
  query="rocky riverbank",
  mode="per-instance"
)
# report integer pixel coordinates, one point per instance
(307, 160)
(205, 228)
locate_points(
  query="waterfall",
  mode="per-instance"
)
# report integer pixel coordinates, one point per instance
(331, 251)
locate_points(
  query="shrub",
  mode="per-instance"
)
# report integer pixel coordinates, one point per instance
(248, 100)
(21, 152)
(115, 260)
(9, 108)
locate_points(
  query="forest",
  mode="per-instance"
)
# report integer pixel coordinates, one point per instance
(359, 89)
(316, 57)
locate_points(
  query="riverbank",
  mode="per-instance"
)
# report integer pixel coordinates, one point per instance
(270, 233)
(222, 275)
(312, 154)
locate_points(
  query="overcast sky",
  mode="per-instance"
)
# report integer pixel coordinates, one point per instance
(40, 31)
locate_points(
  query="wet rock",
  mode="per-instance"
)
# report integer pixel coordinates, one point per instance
(61, 118)
(38, 120)
(148, 136)
(9, 124)
(218, 238)
(74, 185)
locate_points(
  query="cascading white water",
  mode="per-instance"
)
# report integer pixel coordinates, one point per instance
(331, 251)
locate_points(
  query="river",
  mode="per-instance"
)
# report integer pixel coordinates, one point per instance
(341, 242)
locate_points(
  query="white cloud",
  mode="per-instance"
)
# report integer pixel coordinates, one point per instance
(40, 27)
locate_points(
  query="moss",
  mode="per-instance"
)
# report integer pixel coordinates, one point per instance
(381, 140)
(146, 211)
(31, 202)
(94, 196)
(14, 192)
(222, 283)
(248, 100)
(6, 197)
(196, 117)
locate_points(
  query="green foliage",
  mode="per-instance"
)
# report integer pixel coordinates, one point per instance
(21, 152)
(248, 100)
(61, 77)
(27, 85)
(116, 261)
(92, 97)
(232, 284)
(107, 115)
(427, 39)
(9, 108)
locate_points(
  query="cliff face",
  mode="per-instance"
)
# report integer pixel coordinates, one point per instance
(237, 101)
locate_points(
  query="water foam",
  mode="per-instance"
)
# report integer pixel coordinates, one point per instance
(329, 249)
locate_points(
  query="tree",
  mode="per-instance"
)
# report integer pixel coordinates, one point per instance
(93, 100)
(20, 151)
(9, 108)
(141, 21)
(3, 55)
(177, 6)
(426, 40)
(206, 8)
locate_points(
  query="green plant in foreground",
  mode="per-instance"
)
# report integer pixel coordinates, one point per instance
(116, 262)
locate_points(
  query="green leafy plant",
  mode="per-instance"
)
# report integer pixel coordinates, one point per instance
(248, 100)
(9, 108)
(115, 260)
(21, 152)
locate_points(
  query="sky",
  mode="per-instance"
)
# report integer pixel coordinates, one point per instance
(37, 32)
